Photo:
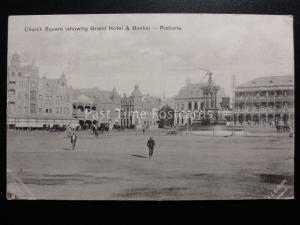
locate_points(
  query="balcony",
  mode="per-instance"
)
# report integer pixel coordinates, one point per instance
(265, 110)
(84, 115)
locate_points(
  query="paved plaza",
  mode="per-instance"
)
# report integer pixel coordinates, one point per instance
(41, 165)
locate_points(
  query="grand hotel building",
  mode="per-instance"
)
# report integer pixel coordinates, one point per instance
(265, 100)
(33, 101)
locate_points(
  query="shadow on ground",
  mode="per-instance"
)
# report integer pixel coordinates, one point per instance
(140, 156)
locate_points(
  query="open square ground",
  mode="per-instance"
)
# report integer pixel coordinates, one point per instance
(41, 165)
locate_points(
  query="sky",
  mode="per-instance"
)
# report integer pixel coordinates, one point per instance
(159, 61)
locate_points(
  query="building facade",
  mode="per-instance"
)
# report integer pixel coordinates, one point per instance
(265, 100)
(106, 104)
(33, 101)
(85, 111)
(197, 99)
(139, 111)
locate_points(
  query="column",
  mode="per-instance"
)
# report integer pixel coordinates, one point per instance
(215, 100)
(206, 100)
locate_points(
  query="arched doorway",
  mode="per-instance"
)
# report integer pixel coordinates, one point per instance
(255, 119)
(227, 117)
(87, 124)
(81, 123)
(241, 118)
(285, 118)
(248, 117)
(270, 119)
(263, 118)
(277, 118)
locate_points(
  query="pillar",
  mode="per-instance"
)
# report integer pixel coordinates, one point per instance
(215, 99)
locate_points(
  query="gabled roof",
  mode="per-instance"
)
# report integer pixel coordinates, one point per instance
(191, 90)
(269, 81)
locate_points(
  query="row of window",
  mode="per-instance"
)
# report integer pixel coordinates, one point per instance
(196, 106)
(13, 74)
(49, 97)
(59, 110)
(264, 93)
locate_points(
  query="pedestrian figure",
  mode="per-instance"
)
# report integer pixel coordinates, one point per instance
(143, 130)
(150, 145)
(73, 140)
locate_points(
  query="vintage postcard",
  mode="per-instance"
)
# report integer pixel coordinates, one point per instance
(150, 107)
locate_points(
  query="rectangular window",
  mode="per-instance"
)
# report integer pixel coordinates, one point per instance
(33, 95)
(40, 97)
(50, 110)
(40, 110)
(46, 110)
(12, 82)
(32, 108)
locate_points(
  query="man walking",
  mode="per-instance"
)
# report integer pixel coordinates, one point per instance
(150, 145)
(73, 140)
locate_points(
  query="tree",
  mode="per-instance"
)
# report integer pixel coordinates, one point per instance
(166, 116)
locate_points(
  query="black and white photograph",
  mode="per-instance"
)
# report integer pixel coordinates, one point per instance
(150, 107)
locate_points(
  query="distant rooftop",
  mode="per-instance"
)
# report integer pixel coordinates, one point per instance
(194, 90)
(269, 81)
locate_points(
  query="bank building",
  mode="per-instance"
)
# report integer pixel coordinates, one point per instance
(265, 100)
(34, 101)
(133, 106)
(195, 101)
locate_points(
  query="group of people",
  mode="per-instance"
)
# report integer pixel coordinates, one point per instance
(150, 143)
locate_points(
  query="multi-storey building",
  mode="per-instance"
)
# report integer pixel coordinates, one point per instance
(33, 101)
(139, 110)
(265, 100)
(204, 97)
(85, 111)
(106, 104)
